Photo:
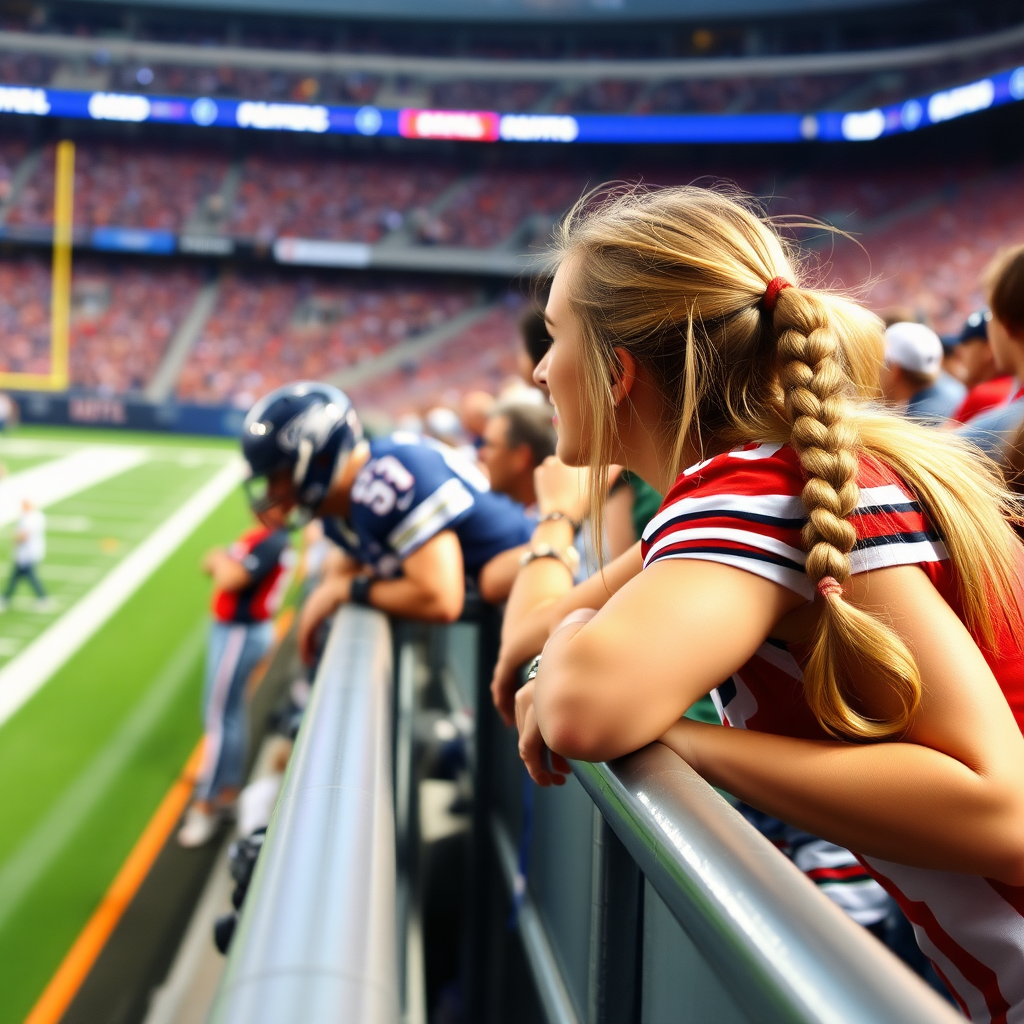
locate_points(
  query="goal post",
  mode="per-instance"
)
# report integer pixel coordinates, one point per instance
(60, 288)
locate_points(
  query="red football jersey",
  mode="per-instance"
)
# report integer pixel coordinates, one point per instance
(743, 508)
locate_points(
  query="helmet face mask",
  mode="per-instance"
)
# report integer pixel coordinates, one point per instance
(295, 439)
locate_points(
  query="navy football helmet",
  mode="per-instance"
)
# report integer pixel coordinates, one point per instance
(306, 428)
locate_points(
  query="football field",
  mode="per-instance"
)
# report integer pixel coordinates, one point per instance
(99, 686)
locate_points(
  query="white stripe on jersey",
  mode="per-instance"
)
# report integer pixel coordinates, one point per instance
(862, 898)
(430, 516)
(740, 708)
(755, 540)
(791, 579)
(887, 494)
(773, 506)
(903, 553)
(762, 451)
(781, 659)
(975, 917)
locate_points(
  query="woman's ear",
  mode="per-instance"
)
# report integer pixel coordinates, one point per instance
(624, 376)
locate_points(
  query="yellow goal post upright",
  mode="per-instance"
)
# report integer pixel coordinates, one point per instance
(60, 290)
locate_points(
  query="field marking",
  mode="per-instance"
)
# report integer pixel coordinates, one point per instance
(24, 674)
(70, 573)
(54, 481)
(75, 967)
(38, 850)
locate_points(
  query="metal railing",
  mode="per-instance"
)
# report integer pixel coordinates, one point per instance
(782, 949)
(643, 896)
(316, 941)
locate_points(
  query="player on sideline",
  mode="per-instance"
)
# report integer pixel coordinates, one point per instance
(851, 575)
(412, 516)
(249, 580)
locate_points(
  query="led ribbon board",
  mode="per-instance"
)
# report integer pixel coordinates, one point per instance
(491, 126)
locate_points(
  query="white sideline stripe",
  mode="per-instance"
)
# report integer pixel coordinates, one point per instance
(54, 481)
(43, 844)
(21, 677)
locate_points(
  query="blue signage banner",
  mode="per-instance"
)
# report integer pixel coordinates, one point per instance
(491, 126)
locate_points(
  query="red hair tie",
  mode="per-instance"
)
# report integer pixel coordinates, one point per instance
(829, 585)
(771, 293)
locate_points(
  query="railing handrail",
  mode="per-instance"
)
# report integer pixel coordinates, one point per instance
(316, 940)
(784, 951)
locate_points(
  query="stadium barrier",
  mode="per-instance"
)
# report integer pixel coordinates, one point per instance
(120, 412)
(316, 939)
(637, 892)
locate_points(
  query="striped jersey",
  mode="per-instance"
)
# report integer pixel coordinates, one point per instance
(743, 508)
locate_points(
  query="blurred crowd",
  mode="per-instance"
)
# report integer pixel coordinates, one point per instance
(859, 90)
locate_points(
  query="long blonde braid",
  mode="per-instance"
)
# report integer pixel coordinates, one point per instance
(817, 395)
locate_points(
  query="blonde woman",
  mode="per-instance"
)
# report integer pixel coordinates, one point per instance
(852, 577)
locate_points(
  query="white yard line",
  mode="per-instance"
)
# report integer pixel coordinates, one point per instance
(21, 677)
(54, 481)
(37, 851)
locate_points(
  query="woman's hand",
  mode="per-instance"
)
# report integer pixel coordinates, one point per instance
(562, 488)
(320, 604)
(503, 686)
(546, 768)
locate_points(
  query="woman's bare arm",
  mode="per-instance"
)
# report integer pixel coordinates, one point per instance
(949, 796)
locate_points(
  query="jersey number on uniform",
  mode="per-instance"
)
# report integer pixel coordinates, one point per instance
(377, 485)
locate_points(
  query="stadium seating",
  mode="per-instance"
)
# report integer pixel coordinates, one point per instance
(357, 200)
(269, 328)
(24, 315)
(123, 318)
(495, 203)
(125, 186)
(482, 357)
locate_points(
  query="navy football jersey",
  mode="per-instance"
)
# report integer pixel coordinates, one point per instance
(412, 489)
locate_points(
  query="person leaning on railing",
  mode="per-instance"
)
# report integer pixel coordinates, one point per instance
(412, 518)
(852, 575)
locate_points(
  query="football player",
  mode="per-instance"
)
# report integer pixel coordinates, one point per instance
(413, 518)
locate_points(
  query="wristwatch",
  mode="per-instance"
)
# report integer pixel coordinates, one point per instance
(570, 557)
(551, 517)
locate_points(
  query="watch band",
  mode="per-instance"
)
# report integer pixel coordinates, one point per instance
(569, 558)
(359, 592)
(551, 517)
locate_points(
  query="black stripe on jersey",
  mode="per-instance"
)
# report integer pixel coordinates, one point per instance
(870, 510)
(726, 692)
(761, 556)
(911, 537)
(722, 513)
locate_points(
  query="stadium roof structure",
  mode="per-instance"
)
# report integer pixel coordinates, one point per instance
(526, 11)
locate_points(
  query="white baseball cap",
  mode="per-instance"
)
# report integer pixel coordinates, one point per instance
(913, 347)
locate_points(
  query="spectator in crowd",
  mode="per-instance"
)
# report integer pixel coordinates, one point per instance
(992, 429)
(772, 566)
(535, 342)
(249, 579)
(986, 386)
(912, 378)
(29, 552)
(516, 440)
(413, 518)
(475, 407)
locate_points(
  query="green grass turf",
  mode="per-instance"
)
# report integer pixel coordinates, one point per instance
(46, 746)
(89, 532)
(100, 435)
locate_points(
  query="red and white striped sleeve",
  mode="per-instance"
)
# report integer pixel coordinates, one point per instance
(743, 508)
